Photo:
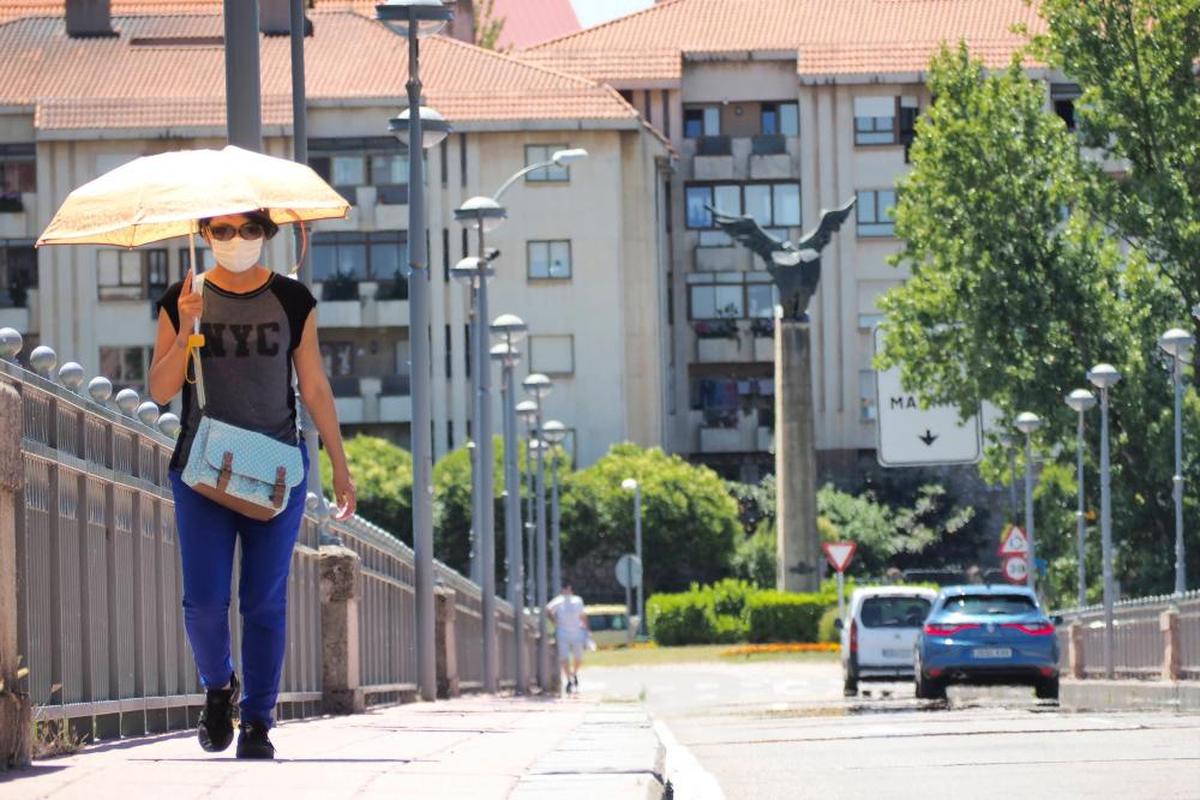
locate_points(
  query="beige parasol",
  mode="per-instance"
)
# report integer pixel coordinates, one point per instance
(162, 196)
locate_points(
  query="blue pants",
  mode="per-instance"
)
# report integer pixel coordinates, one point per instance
(207, 533)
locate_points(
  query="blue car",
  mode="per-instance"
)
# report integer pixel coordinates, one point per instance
(986, 635)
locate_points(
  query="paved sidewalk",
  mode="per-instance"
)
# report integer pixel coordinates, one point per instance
(476, 748)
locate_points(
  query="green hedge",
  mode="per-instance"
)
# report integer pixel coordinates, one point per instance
(676, 619)
(826, 631)
(773, 616)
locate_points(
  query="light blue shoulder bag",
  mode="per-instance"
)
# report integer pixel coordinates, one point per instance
(247, 472)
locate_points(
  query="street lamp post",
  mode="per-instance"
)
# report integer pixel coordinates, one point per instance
(553, 432)
(527, 412)
(538, 386)
(1176, 343)
(1028, 423)
(1081, 401)
(511, 328)
(419, 128)
(1006, 442)
(1104, 377)
(631, 485)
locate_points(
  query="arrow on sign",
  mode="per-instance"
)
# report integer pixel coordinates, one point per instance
(839, 554)
(929, 438)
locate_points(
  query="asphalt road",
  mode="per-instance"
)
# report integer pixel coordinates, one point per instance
(783, 730)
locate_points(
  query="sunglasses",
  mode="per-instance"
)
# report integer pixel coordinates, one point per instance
(247, 230)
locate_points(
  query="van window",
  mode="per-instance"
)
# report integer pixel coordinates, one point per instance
(989, 604)
(606, 622)
(894, 612)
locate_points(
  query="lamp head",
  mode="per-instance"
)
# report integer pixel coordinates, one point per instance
(526, 410)
(1081, 400)
(629, 484)
(510, 326)
(1176, 342)
(471, 267)
(1104, 376)
(1027, 422)
(562, 157)
(538, 385)
(505, 353)
(430, 16)
(434, 127)
(554, 431)
(481, 210)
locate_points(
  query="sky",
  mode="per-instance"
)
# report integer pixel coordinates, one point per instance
(593, 12)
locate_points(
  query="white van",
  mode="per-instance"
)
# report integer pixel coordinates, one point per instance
(880, 633)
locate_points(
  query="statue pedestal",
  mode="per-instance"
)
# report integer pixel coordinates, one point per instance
(797, 548)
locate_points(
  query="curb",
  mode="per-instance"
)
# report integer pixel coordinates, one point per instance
(682, 774)
(1130, 695)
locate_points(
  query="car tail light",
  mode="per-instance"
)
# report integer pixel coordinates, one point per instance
(853, 636)
(1031, 628)
(934, 672)
(937, 629)
(1047, 671)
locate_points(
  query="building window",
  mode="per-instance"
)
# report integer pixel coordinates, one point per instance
(780, 119)
(376, 161)
(1063, 97)
(701, 121)
(18, 175)
(204, 258)
(730, 295)
(552, 354)
(536, 154)
(884, 120)
(18, 272)
(338, 358)
(126, 367)
(351, 256)
(775, 206)
(549, 260)
(866, 395)
(875, 209)
(131, 274)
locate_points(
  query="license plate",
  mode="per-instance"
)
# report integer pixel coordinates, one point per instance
(992, 652)
(894, 653)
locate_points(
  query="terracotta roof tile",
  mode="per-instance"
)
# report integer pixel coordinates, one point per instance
(830, 36)
(63, 77)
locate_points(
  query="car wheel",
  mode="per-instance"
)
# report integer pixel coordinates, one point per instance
(850, 685)
(927, 689)
(1047, 689)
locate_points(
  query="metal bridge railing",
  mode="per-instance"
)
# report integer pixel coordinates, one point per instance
(1139, 640)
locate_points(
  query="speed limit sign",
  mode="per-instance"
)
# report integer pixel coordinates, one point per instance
(1016, 569)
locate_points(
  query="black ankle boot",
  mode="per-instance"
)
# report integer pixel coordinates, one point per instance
(216, 720)
(253, 741)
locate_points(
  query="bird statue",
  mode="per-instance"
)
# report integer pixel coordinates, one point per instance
(795, 268)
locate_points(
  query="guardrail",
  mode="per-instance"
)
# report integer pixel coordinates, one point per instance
(96, 581)
(1153, 638)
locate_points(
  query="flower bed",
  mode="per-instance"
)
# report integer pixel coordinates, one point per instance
(782, 647)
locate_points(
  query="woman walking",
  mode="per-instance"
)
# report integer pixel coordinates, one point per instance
(258, 327)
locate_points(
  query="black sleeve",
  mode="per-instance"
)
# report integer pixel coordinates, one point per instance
(297, 302)
(169, 303)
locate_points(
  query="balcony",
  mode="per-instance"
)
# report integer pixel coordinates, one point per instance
(751, 341)
(719, 259)
(720, 350)
(367, 310)
(24, 317)
(748, 436)
(366, 400)
(17, 216)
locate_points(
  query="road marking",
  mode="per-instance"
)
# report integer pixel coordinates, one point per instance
(681, 769)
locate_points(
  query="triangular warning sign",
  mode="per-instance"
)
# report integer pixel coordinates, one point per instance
(839, 554)
(1014, 542)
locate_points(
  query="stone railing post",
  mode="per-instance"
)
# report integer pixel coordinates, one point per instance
(1076, 660)
(15, 721)
(341, 680)
(445, 644)
(1168, 623)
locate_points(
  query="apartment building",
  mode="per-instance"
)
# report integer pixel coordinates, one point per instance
(583, 253)
(780, 109)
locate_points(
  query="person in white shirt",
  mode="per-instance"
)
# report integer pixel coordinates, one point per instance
(571, 631)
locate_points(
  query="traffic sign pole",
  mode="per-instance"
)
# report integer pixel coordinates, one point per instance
(841, 580)
(628, 601)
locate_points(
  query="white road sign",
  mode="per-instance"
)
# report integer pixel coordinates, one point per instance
(629, 571)
(1016, 569)
(911, 436)
(1014, 542)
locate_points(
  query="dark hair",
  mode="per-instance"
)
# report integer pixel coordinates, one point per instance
(260, 216)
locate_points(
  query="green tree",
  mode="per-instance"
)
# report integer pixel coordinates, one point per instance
(488, 26)
(1017, 288)
(689, 522)
(382, 473)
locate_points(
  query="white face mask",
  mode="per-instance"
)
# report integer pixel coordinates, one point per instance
(238, 254)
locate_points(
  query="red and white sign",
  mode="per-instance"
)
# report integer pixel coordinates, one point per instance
(1016, 569)
(840, 554)
(1014, 542)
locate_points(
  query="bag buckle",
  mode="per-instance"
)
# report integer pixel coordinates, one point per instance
(226, 471)
(280, 487)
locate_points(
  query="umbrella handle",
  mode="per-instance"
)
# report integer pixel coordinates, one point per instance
(192, 258)
(303, 242)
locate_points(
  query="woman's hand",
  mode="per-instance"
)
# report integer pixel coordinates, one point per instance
(344, 493)
(191, 305)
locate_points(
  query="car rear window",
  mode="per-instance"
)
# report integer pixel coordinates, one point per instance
(894, 612)
(989, 605)
(606, 622)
